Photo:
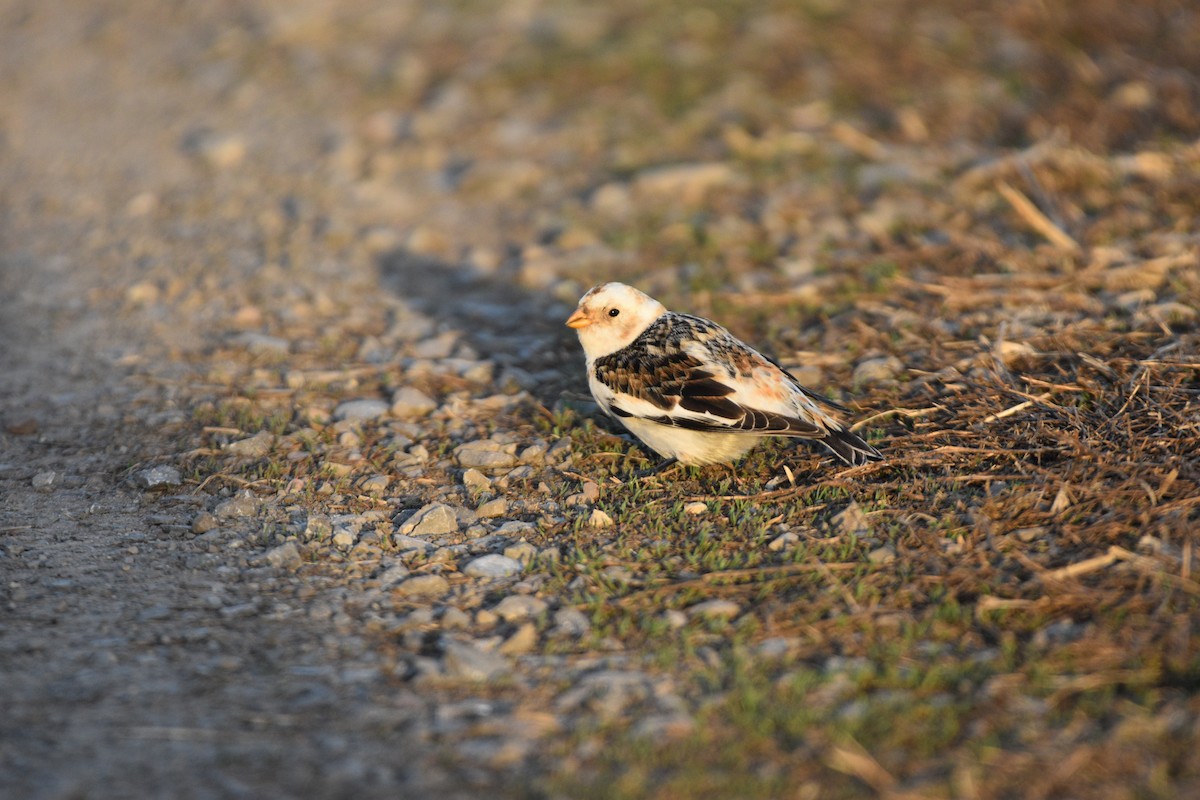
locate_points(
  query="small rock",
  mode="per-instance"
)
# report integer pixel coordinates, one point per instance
(674, 618)
(599, 519)
(219, 151)
(435, 519)
(715, 609)
(467, 662)
(492, 508)
(360, 410)
(203, 522)
(476, 481)
(344, 538)
(784, 541)
(243, 505)
(409, 402)
(696, 507)
(519, 607)
(523, 639)
(571, 622)
(687, 183)
(492, 566)
(423, 586)
(44, 481)
(534, 455)
(454, 618)
(256, 446)
(285, 556)
(155, 477)
(1012, 354)
(1031, 534)
(261, 344)
(374, 484)
(317, 527)
(515, 529)
(484, 455)
(392, 575)
(521, 552)
(852, 520)
(877, 370)
(885, 554)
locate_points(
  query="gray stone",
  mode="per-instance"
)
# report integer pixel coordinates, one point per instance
(361, 410)
(435, 519)
(571, 622)
(243, 505)
(492, 566)
(718, 608)
(519, 607)
(374, 484)
(423, 586)
(784, 541)
(476, 481)
(203, 522)
(467, 662)
(852, 520)
(344, 538)
(523, 552)
(408, 402)
(284, 556)
(256, 446)
(877, 370)
(392, 575)
(159, 476)
(44, 481)
(484, 455)
(492, 508)
(882, 555)
(317, 527)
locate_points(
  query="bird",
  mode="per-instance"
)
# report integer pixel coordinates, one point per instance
(693, 392)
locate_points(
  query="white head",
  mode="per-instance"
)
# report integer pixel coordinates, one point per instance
(611, 316)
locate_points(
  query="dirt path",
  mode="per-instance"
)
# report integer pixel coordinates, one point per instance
(132, 662)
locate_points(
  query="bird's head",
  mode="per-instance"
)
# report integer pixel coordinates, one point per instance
(612, 315)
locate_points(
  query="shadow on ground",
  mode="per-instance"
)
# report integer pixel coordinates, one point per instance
(516, 327)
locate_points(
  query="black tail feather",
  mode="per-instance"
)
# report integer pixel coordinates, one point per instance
(850, 447)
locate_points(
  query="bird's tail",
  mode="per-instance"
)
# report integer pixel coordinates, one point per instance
(850, 447)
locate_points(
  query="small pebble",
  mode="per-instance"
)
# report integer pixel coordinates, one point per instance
(203, 522)
(244, 505)
(409, 402)
(492, 566)
(476, 481)
(523, 639)
(361, 410)
(519, 607)
(256, 446)
(696, 507)
(467, 662)
(44, 481)
(435, 519)
(423, 586)
(483, 455)
(885, 554)
(159, 476)
(492, 508)
(571, 622)
(599, 519)
(718, 608)
(284, 556)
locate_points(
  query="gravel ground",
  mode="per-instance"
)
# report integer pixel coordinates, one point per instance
(292, 498)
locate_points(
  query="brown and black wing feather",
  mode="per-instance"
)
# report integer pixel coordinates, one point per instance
(656, 368)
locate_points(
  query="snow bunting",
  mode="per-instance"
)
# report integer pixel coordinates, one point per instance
(692, 391)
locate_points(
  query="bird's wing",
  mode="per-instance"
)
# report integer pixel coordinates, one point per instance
(690, 373)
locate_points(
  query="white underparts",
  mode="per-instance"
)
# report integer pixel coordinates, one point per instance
(691, 447)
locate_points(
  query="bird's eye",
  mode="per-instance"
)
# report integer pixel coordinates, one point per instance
(614, 311)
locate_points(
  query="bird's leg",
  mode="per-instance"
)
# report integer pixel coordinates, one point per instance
(657, 468)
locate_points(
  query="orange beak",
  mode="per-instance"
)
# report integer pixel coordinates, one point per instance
(578, 319)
